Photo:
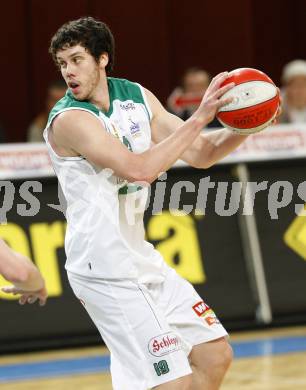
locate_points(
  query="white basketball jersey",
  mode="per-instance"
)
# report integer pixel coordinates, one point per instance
(105, 231)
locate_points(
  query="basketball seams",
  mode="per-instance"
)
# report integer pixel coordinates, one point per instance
(246, 130)
(247, 107)
(241, 105)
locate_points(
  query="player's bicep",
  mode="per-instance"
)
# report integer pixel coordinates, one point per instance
(163, 123)
(83, 133)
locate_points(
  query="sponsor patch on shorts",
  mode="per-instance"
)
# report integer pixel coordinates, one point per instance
(203, 310)
(164, 344)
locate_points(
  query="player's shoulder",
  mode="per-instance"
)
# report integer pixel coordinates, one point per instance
(71, 125)
(68, 103)
(123, 89)
(121, 83)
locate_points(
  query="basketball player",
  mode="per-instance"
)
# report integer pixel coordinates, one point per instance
(26, 278)
(159, 331)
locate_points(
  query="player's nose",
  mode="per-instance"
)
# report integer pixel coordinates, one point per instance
(70, 71)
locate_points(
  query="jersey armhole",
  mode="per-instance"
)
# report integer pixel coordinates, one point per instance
(144, 96)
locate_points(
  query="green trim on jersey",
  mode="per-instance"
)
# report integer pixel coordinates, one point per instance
(129, 189)
(68, 101)
(123, 90)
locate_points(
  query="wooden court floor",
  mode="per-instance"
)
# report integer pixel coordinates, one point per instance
(281, 371)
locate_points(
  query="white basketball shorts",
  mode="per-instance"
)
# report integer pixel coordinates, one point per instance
(148, 328)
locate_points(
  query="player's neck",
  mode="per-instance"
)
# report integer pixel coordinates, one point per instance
(100, 98)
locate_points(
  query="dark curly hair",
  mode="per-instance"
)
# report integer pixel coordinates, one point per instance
(93, 35)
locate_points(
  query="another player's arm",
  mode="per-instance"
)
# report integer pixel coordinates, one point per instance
(26, 278)
(79, 133)
(206, 149)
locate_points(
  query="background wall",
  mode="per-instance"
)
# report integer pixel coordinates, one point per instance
(208, 250)
(155, 42)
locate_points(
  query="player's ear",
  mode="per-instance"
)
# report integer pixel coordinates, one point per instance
(103, 60)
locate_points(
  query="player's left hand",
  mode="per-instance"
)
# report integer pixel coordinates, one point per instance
(28, 296)
(279, 110)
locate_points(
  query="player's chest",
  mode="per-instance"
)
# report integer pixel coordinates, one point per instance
(129, 121)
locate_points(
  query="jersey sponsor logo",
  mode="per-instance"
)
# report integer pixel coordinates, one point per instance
(127, 106)
(200, 308)
(164, 344)
(134, 128)
(212, 319)
(203, 310)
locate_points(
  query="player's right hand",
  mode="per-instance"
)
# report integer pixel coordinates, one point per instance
(212, 100)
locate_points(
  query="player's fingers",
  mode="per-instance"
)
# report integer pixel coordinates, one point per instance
(224, 102)
(32, 299)
(42, 301)
(220, 75)
(23, 299)
(218, 80)
(274, 120)
(279, 111)
(8, 289)
(221, 91)
(11, 290)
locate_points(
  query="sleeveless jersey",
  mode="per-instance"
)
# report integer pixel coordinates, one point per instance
(105, 235)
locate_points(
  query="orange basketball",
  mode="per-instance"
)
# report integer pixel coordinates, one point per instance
(255, 101)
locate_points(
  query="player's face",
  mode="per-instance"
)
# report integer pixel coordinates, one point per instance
(296, 92)
(80, 71)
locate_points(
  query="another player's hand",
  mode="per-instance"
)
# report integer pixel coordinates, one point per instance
(212, 99)
(28, 296)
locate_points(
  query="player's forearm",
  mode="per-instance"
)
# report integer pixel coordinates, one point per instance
(216, 145)
(163, 155)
